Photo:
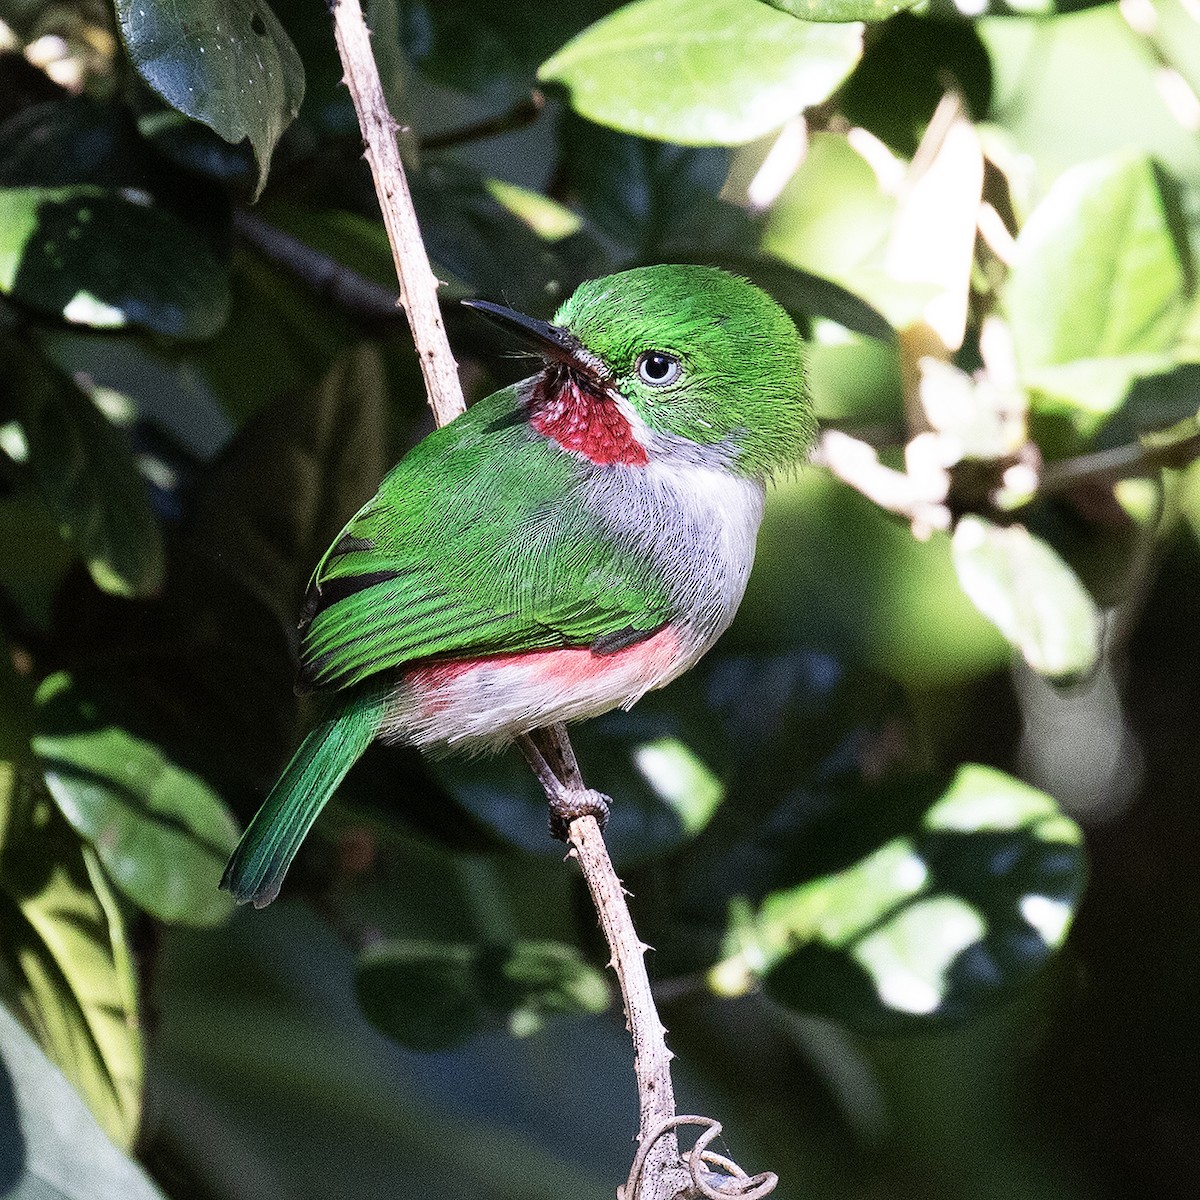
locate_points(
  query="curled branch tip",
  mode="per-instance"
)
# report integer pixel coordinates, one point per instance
(713, 1176)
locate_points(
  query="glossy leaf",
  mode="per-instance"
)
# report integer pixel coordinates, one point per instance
(477, 46)
(433, 995)
(647, 195)
(109, 259)
(701, 72)
(65, 952)
(67, 1158)
(227, 63)
(841, 10)
(162, 834)
(83, 468)
(934, 925)
(665, 792)
(1030, 594)
(1099, 288)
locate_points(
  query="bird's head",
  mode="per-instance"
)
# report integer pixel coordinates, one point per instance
(692, 354)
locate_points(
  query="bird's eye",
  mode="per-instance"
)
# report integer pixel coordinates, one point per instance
(657, 368)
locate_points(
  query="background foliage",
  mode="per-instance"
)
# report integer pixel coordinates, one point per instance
(856, 835)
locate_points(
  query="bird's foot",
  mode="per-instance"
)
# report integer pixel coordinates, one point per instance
(568, 806)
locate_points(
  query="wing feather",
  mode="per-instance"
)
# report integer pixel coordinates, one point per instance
(477, 543)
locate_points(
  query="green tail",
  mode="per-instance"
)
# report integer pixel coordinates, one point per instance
(258, 865)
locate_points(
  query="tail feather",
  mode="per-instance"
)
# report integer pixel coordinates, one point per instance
(256, 869)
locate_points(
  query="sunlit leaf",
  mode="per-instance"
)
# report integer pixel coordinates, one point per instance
(69, 967)
(1031, 595)
(84, 470)
(1099, 287)
(702, 72)
(432, 995)
(68, 1157)
(934, 925)
(841, 10)
(835, 220)
(161, 834)
(109, 259)
(227, 63)
(547, 218)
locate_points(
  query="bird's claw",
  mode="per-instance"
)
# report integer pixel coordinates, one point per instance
(569, 806)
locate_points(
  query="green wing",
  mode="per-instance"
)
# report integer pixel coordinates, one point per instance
(477, 543)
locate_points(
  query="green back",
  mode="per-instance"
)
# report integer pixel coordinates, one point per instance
(478, 542)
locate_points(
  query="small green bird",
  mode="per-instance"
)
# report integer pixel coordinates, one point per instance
(560, 549)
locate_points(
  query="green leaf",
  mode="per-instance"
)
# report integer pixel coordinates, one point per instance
(84, 470)
(547, 218)
(840, 10)
(1030, 594)
(227, 63)
(1099, 287)
(161, 834)
(51, 1147)
(434, 995)
(834, 220)
(109, 259)
(702, 72)
(68, 965)
(933, 926)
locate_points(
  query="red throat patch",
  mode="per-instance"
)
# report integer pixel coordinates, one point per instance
(580, 420)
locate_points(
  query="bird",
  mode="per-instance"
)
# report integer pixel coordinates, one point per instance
(562, 547)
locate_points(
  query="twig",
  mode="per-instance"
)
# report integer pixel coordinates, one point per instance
(418, 284)
(320, 271)
(518, 117)
(659, 1173)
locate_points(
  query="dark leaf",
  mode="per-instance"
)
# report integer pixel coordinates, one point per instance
(227, 63)
(932, 926)
(83, 469)
(161, 834)
(905, 72)
(433, 995)
(109, 259)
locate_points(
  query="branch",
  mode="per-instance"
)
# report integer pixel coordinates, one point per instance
(520, 116)
(418, 285)
(659, 1172)
(319, 271)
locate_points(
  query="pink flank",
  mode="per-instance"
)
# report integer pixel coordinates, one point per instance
(583, 421)
(487, 701)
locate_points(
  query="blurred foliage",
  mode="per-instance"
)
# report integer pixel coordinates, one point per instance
(857, 835)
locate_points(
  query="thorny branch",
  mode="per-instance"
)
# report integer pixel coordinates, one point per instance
(659, 1172)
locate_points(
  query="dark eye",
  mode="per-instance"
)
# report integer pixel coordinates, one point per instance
(657, 368)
